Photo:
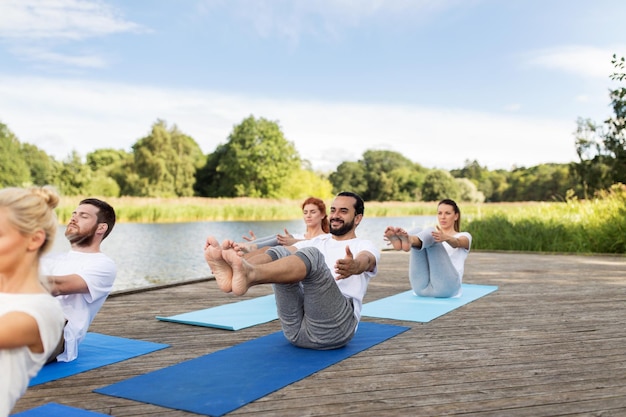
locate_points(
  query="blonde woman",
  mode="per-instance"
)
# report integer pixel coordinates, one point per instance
(31, 320)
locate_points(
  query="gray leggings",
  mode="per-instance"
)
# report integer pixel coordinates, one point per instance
(431, 272)
(265, 241)
(313, 313)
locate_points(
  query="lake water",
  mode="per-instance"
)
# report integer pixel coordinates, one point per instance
(155, 254)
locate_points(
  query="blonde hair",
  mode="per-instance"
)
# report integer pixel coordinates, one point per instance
(32, 209)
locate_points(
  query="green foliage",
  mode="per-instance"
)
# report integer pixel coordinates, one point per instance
(540, 183)
(489, 184)
(615, 137)
(468, 191)
(254, 162)
(390, 176)
(602, 148)
(43, 168)
(14, 170)
(439, 184)
(302, 184)
(74, 177)
(380, 176)
(105, 160)
(349, 175)
(593, 172)
(588, 226)
(165, 163)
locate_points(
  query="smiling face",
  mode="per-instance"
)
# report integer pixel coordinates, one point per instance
(343, 217)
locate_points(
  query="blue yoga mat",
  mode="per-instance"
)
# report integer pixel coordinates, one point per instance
(232, 316)
(58, 410)
(408, 307)
(95, 351)
(223, 381)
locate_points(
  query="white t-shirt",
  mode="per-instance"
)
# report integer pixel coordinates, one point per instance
(19, 365)
(98, 271)
(354, 287)
(458, 255)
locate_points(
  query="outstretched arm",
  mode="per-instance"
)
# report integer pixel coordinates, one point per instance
(455, 242)
(354, 265)
(67, 284)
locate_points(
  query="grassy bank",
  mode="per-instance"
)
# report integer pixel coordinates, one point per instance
(593, 226)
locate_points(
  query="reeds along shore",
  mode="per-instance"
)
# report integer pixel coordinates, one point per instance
(573, 226)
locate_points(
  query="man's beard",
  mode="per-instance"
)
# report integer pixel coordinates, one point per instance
(81, 239)
(345, 228)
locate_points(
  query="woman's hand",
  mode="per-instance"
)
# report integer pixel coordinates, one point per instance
(287, 239)
(250, 238)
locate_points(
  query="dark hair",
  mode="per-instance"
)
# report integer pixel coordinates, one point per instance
(106, 214)
(457, 223)
(359, 206)
(322, 207)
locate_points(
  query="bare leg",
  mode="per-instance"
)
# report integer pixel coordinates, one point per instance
(245, 274)
(219, 267)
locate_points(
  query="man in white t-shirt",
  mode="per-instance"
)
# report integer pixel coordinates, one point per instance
(319, 284)
(82, 278)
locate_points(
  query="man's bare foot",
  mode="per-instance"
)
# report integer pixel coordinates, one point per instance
(240, 268)
(219, 267)
(393, 238)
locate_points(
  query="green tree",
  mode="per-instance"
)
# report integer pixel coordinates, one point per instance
(468, 191)
(380, 176)
(439, 184)
(592, 171)
(106, 159)
(254, 162)
(349, 176)
(615, 136)
(165, 162)
(543, 182)
(74, 176)
(602, 149)
(13, 168)
(43, 168)
(388, 176)
(303, 183)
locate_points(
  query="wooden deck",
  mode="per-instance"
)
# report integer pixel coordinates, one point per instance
(550, 341)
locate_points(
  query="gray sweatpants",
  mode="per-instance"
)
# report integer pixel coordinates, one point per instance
(313, 313)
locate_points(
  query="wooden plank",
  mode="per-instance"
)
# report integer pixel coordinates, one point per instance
(549, 341)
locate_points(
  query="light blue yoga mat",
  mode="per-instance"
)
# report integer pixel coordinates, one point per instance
(408, 307)
(95, 351)
(223, 381)
(232, 316)
(57, 410)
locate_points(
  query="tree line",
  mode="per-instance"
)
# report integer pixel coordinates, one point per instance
(258, 161)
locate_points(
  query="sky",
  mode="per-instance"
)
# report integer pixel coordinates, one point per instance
(501, 82)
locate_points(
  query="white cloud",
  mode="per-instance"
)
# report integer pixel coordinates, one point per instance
(61, 115)
(60, 19)
(292, 19)
(48, 57)
(32, 29)
(584, 61)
